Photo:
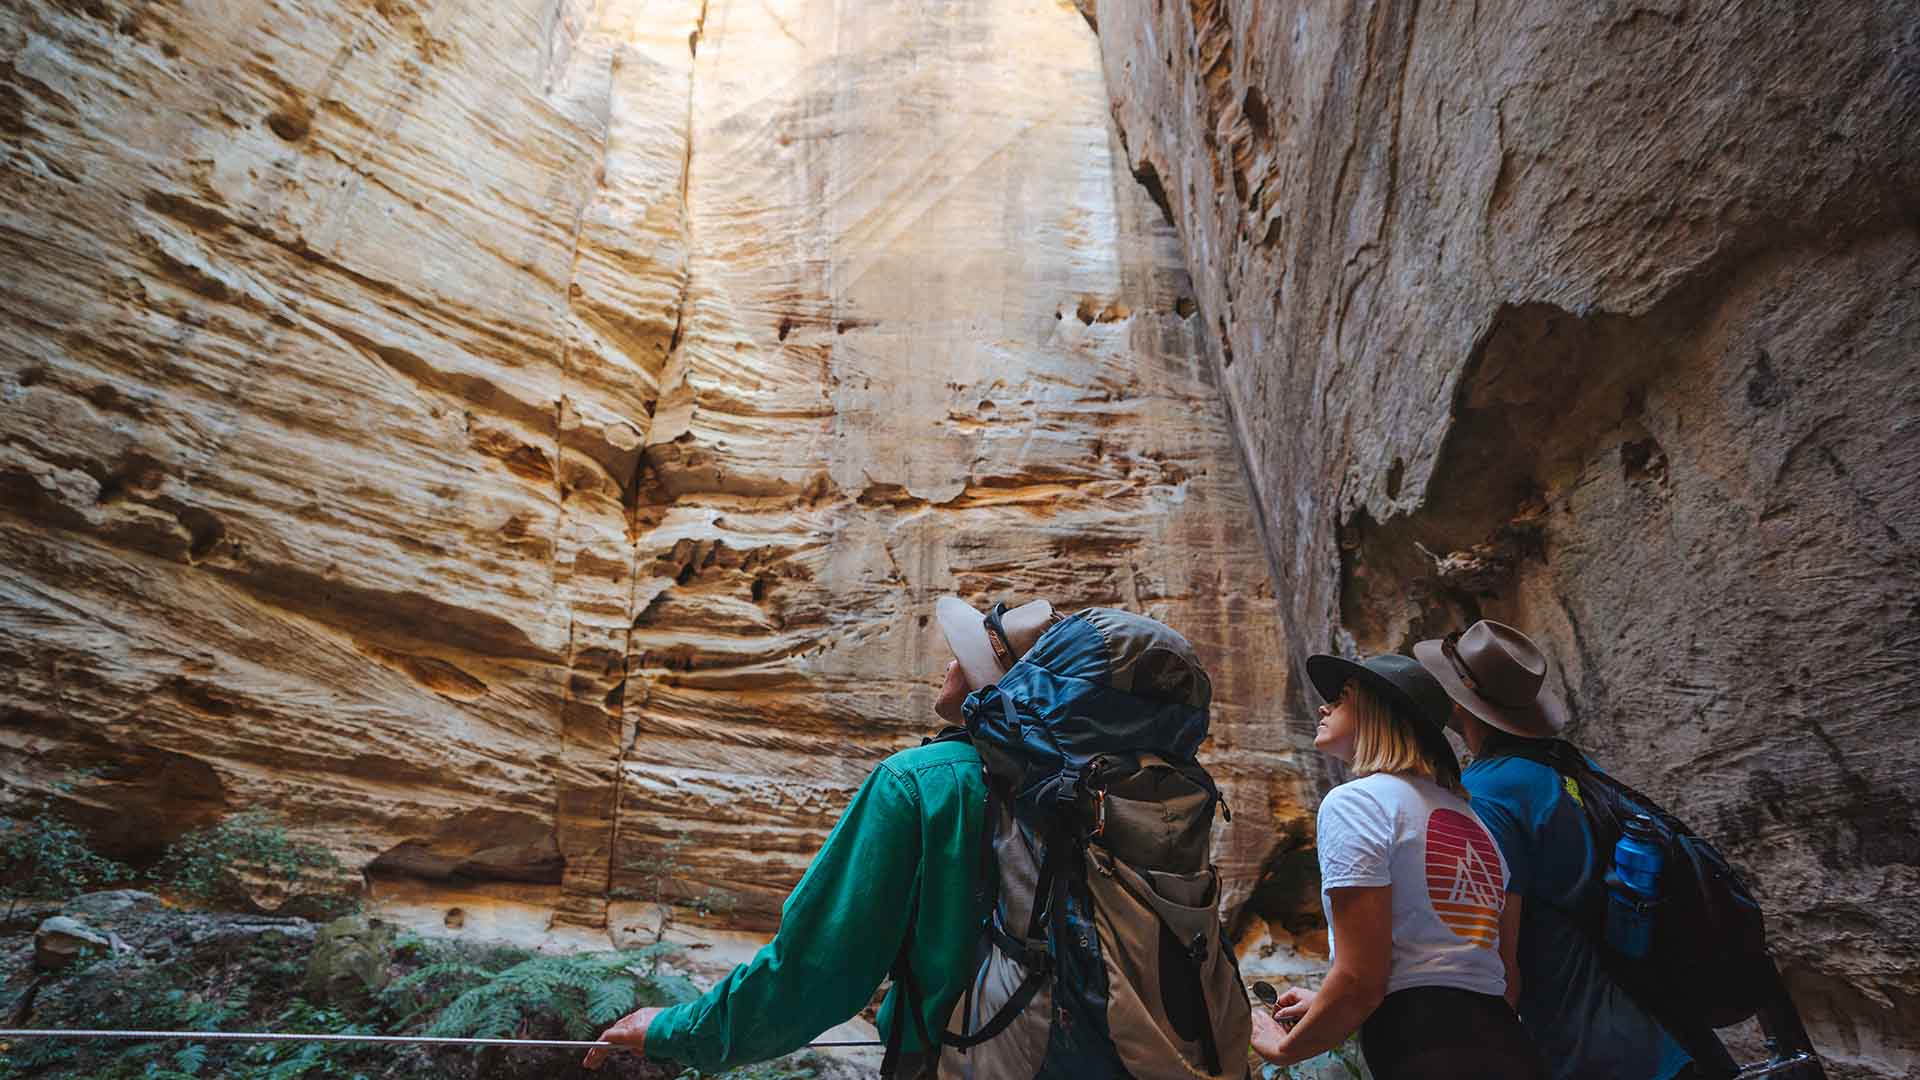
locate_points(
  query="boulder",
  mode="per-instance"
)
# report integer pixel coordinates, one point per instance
(352, 957)
(61, 941)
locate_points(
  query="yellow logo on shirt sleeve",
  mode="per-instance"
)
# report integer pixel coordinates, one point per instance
(1573, 789)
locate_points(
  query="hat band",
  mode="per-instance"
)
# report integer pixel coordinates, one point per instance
(1450, 648)
(997, 636)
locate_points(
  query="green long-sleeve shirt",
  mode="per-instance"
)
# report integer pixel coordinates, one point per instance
(918, 821)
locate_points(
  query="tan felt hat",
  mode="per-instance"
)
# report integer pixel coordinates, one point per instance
(987, 645)
(1498, 674)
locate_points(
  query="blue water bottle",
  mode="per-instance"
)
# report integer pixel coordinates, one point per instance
(1633, 888)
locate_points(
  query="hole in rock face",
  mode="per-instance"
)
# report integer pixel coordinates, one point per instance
(204, 533)
(291, 121)
(1185, 307)
(1643, 460)
(1395, 474)
(786, 327)
(456, 918)
(146, 799)
(1254, 106)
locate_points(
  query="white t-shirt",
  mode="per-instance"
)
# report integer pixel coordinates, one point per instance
(1448, 877)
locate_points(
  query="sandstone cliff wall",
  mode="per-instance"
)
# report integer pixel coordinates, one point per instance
(505, 438)
(1602, 319)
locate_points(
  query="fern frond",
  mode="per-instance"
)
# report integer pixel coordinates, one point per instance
(610, 999)
(498, 1019)
(457, 1019)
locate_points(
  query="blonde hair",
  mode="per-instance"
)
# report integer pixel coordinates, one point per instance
(1384, 741)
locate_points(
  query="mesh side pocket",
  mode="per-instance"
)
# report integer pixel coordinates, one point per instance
(1014, 1053)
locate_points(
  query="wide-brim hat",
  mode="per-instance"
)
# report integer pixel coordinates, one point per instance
(988, 644)
(1498, 674)
(1401, 682)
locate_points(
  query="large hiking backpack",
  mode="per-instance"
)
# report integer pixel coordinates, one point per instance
(1708, 965)
(1103, 953)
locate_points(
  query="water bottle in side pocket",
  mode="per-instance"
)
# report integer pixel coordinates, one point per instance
(1633, 887)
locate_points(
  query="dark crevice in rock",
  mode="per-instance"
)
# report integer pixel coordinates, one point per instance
(1149, 178)
(480, 845)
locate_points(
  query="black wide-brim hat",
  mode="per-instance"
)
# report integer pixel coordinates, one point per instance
(1402, 682)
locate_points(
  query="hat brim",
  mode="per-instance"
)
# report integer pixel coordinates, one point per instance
(1330, 674)
(1545, 718)
(966, 633)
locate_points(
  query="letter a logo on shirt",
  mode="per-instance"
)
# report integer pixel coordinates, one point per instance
(1463, 876)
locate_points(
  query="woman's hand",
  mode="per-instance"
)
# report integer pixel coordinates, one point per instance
(1271, 1026)
(1269, 1038)
(1292, 1004)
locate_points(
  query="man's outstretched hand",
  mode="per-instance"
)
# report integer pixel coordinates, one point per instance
(630, 1032)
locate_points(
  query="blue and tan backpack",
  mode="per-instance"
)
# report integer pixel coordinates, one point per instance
(1103, 954)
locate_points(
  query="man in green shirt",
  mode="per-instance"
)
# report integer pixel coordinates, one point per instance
(902, 867)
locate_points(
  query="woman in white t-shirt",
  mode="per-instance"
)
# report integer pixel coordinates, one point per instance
(1415, 894)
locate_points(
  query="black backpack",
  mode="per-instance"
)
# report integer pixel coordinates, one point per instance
(1708, 966)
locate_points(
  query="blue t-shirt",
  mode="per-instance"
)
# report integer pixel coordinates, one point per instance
(1585, 1026)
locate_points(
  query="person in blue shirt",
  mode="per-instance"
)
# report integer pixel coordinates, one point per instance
(1586, 1026)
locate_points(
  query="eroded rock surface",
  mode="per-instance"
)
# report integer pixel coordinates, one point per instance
(1604, 320)
(503, 439)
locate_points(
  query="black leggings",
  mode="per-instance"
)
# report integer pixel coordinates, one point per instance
(1444, 1033)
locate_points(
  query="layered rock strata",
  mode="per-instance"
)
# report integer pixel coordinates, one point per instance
(1602, 320)
(519, 443)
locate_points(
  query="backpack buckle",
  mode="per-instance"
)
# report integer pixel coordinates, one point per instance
(1066, 789)
(1099, 812)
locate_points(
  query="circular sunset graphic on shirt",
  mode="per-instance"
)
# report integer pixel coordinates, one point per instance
(1463, 876)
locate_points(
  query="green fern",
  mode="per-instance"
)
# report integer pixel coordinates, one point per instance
(190, 1059)
(610, 999)
(584, 992)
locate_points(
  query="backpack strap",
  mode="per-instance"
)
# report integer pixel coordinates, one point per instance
(910, 999)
